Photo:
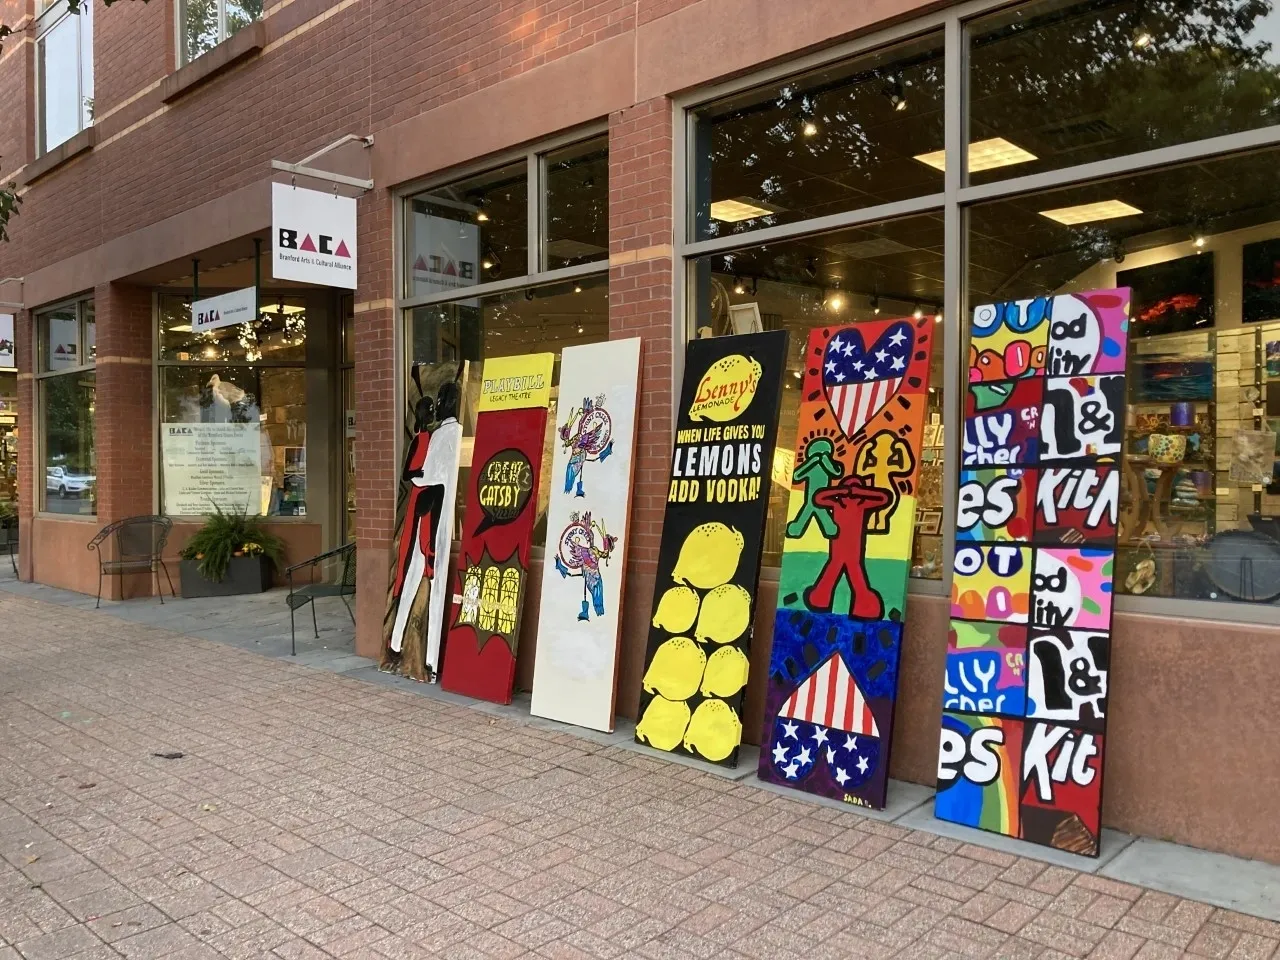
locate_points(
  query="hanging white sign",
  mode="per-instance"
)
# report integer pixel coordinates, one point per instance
(226, 310)
(313, 237)
(6, 340)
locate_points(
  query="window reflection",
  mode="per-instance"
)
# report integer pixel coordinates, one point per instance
(577, 205)
(467, 233)
(1054, 84)
(833, 140)
(879, 271)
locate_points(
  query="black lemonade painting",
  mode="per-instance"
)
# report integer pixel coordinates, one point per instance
(712, 536)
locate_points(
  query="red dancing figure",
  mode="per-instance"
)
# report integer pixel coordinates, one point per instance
(851, 503)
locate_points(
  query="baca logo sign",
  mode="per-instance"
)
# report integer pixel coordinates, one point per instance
(288, 240)
(313, 236)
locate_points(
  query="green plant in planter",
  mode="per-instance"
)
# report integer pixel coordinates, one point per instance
(226, 535)
(8, 510)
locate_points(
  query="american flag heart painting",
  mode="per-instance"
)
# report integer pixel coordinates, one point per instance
(858, 380)
(833, 668)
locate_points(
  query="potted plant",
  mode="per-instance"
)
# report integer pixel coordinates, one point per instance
(232, 553)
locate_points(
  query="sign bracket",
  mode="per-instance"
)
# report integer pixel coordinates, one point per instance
(303, 168)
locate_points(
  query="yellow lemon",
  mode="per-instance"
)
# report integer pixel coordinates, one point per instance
(726, 673)
(709, 556)
(726, 389)
(676, 669)
(714, 731)
(726, 614)
(663, 723)
(677, 610)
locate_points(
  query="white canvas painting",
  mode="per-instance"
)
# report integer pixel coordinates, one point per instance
(587, 526)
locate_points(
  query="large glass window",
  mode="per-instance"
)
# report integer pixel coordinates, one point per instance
(833, 140)
(206, 23)
(544, 319)
(467, 233)
(233, 411)
(66, 386)
(870, 272)
(64, 74)
(8, 437)
(1056, 84)
(1199, 244)
(576, 208)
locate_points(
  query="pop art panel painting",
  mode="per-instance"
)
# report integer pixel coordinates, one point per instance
(1027, 686)
(986, 669)
(1002, 423)
(991, 582)
(1061, 800)
(1077, 505)
(845, 560)
(588, 519)
(995, 505)
(978, 772)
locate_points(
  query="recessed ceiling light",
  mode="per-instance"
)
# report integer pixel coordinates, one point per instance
(983, 155)
(810, 128)
(1090, 212)
(741, 208)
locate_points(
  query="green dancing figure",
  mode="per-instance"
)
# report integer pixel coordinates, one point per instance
(816, 472)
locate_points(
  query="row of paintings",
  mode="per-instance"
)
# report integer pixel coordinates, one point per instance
(1037, 517)
(472, 651)
(1175, 296)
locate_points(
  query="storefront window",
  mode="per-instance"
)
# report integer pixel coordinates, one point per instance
(468, 233)
(1199, 244)
(1054, 84)
(233, 412)
(66, 385)
(576, 218)
(543, 319)
(8, 435)
(872, 272)
(837, 139)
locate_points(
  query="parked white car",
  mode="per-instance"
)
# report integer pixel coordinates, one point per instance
(64, 483)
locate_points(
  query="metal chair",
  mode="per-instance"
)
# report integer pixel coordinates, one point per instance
(9, 539)
(139, 543)
(343, 588)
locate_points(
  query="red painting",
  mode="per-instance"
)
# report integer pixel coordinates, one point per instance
(497, 530)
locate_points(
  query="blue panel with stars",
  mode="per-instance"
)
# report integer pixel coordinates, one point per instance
(817, 739)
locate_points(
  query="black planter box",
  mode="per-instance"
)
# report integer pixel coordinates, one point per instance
(244, 575)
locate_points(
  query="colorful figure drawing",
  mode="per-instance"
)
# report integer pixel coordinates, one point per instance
(580, 555)
(712, 535)
(497, 533)
(1026, 690)
(837, 633)
(588, 436)
(415, 610)
(579, 619)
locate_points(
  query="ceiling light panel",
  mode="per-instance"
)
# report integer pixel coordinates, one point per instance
(741, 208)
(1091, 212)
(983, 155)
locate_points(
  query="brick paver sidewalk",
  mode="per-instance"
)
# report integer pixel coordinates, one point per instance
(312, 815)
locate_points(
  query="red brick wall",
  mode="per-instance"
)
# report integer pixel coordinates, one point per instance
(640, 304)
(124, 434)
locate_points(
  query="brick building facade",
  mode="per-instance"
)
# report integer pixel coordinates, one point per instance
(175, 166)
